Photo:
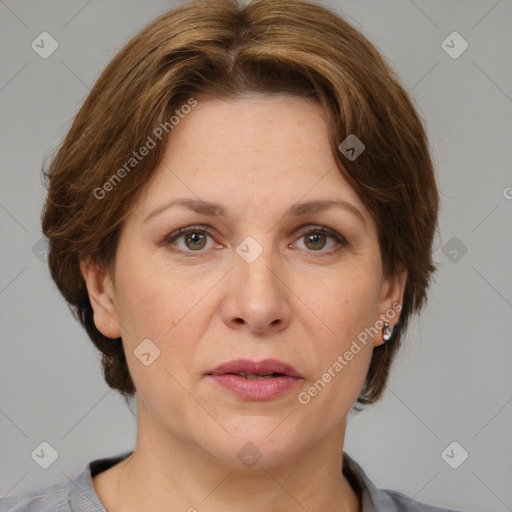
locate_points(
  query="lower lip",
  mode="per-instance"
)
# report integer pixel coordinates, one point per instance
(256, 389)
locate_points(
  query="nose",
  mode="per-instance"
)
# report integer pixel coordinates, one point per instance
(257, 298)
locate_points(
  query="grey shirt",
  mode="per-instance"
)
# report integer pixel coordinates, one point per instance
(78, 495)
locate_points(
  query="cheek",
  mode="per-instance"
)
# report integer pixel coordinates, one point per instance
(344, 307)
(346, 301)
(154, 309)
(151, 299)
(341, 361)
(160, 303)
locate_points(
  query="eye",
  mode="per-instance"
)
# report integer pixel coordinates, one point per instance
(193, 237)
(315, 240)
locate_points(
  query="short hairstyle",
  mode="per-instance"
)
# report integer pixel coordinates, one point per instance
(228, 50)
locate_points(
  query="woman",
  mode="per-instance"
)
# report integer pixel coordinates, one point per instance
(241, 217)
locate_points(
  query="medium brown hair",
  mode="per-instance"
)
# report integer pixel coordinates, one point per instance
(226, 50)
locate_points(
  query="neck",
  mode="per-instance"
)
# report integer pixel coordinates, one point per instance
(172, 474)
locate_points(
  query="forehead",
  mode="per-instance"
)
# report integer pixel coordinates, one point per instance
(277, 130)
(250, 152)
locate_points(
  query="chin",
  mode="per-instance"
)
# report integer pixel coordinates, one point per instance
(255, 442)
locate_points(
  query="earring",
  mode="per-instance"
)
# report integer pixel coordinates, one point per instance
(105, 324)
(386, 333)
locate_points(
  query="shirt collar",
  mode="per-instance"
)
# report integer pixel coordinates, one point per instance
(83, 496)
(372, 498)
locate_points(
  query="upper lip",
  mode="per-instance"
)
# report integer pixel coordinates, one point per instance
(263, 367)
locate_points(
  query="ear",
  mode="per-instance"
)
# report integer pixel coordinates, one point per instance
(101, 292)
(391, 300)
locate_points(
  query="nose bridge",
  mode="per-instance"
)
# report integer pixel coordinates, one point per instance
(258, 296)
(256, 258)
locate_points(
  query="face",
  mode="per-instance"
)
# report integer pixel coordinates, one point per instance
(260, 277)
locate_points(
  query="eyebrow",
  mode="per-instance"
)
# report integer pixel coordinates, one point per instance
(212, 208)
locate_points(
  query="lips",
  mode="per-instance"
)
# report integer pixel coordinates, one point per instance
(270, 368)
(256, 380)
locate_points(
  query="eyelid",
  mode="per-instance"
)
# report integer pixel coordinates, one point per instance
(170, 237)
(301, 231)
(322, 229)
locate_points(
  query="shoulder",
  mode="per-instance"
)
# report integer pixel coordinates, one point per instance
(52, 498)
(404, 503)
(76, 495)
(375, 499)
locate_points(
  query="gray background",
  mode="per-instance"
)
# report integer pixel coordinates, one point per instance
(452, 380)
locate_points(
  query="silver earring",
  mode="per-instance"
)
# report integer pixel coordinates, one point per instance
(386, 333)
(105, 324)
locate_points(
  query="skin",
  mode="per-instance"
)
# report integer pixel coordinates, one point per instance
(301, 301)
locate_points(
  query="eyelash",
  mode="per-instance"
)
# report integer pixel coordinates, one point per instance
(168, 239)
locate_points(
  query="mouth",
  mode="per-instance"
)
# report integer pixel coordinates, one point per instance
(268, 368)
(255, 381)
(256, 376)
